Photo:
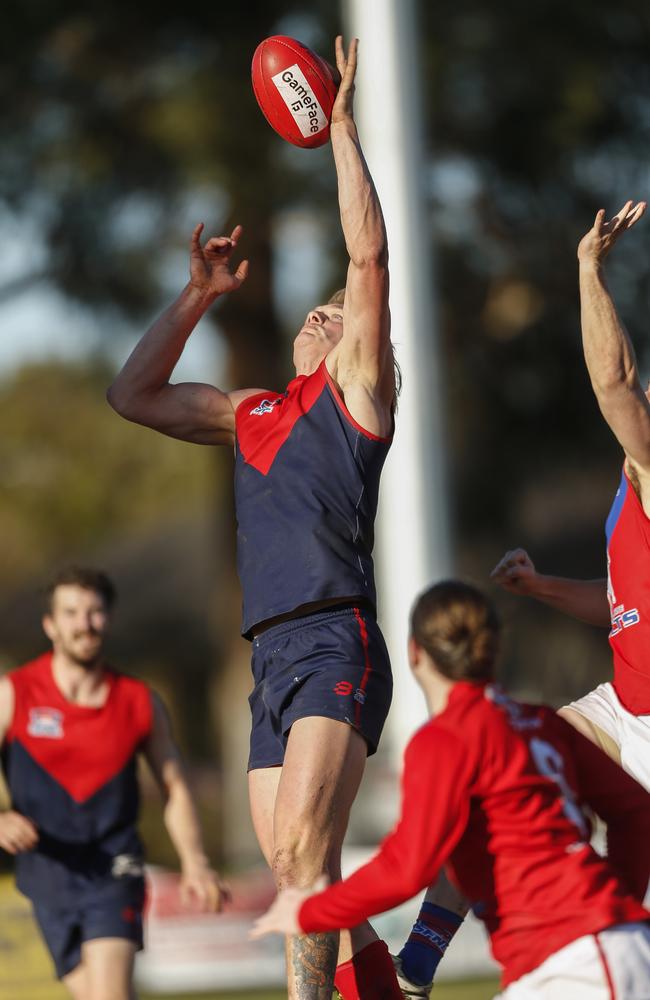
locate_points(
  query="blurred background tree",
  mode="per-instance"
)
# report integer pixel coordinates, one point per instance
(123, 125)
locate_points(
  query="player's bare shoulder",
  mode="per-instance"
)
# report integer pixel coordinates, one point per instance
(369, 401)
(640, 482)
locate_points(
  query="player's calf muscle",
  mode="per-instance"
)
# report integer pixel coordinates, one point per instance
(313, 964)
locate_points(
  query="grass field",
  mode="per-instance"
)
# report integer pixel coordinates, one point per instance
(483, 989)
(26, 970)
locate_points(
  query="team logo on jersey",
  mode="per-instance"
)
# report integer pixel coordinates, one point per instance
(45, 722)
(623, 619)
(127, 865)
(266, 406)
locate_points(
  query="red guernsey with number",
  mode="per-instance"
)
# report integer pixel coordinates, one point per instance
(492, 790)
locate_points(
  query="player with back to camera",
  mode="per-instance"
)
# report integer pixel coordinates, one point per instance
(307, 468)
(616, 715)
(493, 789)
(71, 729)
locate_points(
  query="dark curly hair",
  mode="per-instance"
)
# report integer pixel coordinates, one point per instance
(85, 577)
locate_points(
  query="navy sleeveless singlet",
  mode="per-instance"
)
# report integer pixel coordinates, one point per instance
(306, 490)
(72, 770)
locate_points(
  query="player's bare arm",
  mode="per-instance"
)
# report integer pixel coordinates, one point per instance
(17, 832)
(142, 392)
(200, 884)
(582, 599)
(608, 350)
(362, 363)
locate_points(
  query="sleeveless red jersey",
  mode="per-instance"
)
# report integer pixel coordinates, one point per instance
(628, 591)
(72, 770)
(492, 789)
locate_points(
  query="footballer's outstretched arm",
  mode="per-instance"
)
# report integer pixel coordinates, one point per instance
(142, 392)
(198, 880)
(608, 350)
(365, 351)
(582, 599)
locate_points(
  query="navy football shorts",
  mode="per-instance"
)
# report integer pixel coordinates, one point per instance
(333, 664)
(113, 910)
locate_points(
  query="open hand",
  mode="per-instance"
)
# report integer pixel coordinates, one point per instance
(596, 244)
(210, 264)
(282, 915)
(347, 67)
(17, 832)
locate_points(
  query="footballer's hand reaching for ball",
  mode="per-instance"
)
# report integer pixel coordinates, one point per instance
(342, 109)
(596, 244)
(210, 265)
(17, 832)
(282, 915)
(515, 572)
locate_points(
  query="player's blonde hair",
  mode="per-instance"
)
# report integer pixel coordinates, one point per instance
(459, 629)
(338, 299)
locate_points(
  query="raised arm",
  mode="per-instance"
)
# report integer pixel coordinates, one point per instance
(364, 353)
(142, 392)
(17, 832)
(582, 599)
(609, 354)
(198, 880)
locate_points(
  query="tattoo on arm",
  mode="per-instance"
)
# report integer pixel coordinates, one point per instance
(313, 958)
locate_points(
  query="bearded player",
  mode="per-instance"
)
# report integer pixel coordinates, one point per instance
(307, 468)
(71, 729)
(616, 715)
(493, 789)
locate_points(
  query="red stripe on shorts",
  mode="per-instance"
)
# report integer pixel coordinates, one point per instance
(606, 969)
(368, 666)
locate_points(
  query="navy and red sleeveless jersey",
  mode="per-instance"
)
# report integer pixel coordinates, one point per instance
(628, 591)
(306, 489)
(72, 770)
(492, 790)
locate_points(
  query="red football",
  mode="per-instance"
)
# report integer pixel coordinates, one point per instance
(295, 89)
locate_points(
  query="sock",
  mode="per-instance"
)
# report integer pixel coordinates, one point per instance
(427, 942)
(369, 975)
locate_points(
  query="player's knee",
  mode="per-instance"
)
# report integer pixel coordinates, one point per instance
(299, 860)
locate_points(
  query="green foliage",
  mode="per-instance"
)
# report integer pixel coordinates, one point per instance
(75, 476)
(124, 124)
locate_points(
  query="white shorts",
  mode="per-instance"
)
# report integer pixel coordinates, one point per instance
(631, 733)
(611, 965)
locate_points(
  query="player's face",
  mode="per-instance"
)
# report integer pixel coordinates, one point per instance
(77, 624)
(321, 331)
